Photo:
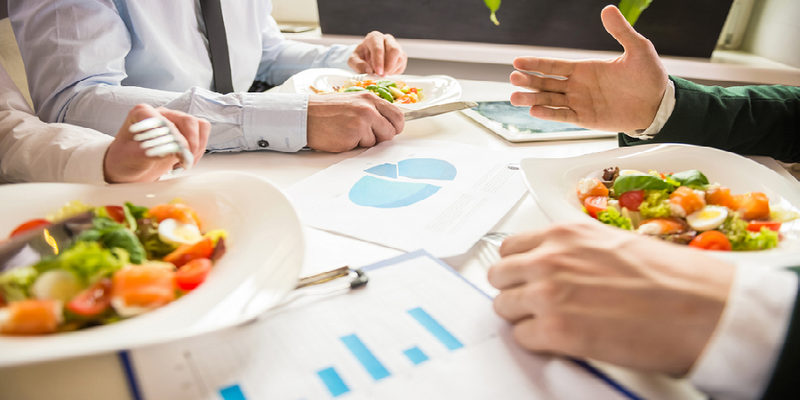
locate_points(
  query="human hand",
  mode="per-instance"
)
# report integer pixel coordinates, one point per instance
(592, 291)
(378, 54)
(343, 121)
(616, 95)
(125, 160)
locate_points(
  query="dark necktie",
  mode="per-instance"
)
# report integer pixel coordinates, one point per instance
(217, 45)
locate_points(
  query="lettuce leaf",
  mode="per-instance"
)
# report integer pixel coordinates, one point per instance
(735, 229)
(113, 235)
(87, 260)
(15, 284)
(655, 204)
(612, 217)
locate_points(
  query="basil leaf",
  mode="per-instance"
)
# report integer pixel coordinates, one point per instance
(493, 6)
(631, 9)
(136, 211)
(639, 182)
(693, 179)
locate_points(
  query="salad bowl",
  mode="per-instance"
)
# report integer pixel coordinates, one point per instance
(265, 248)
(553, 181)
(436, 89)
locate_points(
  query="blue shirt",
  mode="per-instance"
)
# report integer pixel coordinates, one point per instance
(90, 61)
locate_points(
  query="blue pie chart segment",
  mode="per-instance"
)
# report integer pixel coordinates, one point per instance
(370, 191)
(426, 168)
(387, 170)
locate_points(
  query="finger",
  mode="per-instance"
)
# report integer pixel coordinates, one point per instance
(514, 304)
(538, 83)
(394, 55)
(205, 133)
(555, 114)
(547, 66)
(616, 24)
(541, 334)
(519, 269)
(392, 114)
(522, 242)
(374, 42)
(357, 64)
(539, 99)
(187, 126)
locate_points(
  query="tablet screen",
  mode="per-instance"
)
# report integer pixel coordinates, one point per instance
(518, 120)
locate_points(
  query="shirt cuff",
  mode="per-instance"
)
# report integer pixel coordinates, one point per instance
(85, 164)
(275, 121)
(662, 115)
(739, 359)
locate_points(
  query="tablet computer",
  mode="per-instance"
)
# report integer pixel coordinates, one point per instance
(516, 125)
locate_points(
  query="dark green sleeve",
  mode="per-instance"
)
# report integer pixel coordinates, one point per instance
(749, 120)
(785, 381)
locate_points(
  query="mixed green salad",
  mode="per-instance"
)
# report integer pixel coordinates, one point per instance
(126, 261)
(684, 208)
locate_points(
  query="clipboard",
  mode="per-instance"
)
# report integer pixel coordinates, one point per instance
(393, 338)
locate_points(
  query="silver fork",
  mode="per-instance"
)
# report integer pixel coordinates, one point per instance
(159, 141)
(358, 78)
(496, 238)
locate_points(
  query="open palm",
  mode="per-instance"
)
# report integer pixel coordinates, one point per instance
(619, 95)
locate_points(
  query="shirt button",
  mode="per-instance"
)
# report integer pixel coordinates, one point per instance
(263, 143)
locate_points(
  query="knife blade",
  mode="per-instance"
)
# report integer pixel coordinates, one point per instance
(29, 247)
(439, 109)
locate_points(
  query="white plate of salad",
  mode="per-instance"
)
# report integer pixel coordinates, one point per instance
(697, 196)
(406, 91)
(157, 261)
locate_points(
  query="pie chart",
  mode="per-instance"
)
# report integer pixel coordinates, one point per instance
(382, 189)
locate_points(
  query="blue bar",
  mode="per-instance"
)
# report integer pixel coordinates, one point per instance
(333, 381)
(416, 355)
(365, 357)
(437, 330)
(233, 392)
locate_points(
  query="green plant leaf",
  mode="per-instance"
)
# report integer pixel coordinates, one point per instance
(631, 9)
(493, 6)
(639, 182)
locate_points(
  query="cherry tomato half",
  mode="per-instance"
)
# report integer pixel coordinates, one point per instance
(92, 301)
(192, 274)
(32, 224)
(711, 240)
(116, 213)
(189, 252)
(755, 226)
(632, 199)
(595, 204)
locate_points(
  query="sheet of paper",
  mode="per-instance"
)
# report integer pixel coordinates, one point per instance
(440, 196)
(416, 331)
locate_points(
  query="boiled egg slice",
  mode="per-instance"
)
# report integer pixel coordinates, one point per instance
(624, 172)
(173, 232)
(56, 284)
(710, 217)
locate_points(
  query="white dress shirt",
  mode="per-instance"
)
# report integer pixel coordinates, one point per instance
(33, 151)
(90, 61)
(738, 361)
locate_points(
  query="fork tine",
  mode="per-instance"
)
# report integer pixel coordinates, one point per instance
(163, 150)
(146, 124)
(166, 139)
(153, 133)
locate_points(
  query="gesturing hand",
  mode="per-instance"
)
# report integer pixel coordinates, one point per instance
(378, 54)
(618, 95)
(125, 160)
(343, 121)
(591, 291)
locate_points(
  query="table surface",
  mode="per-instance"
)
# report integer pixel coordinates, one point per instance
(101, 377)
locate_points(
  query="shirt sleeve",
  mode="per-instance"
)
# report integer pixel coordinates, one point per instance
(739, 359)
(33, 151)
(75, 71)
(281, 58)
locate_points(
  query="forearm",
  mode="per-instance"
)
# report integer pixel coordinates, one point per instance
(751, 120)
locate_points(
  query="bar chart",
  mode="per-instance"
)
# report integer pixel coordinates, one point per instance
(417, 331)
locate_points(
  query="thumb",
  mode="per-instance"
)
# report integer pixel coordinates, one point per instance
(616, 24)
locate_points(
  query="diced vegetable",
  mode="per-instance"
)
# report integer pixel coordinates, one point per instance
(27, 226)
(186, 253)
(93, 301)
(711, 240)
(595, 204)
(193, 274)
